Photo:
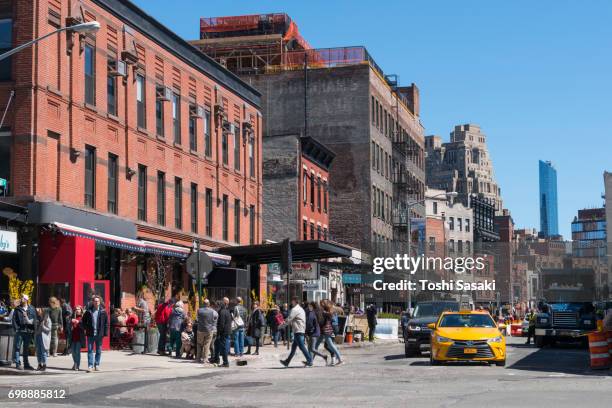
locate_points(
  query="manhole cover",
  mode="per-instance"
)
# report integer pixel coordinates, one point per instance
(251, 384)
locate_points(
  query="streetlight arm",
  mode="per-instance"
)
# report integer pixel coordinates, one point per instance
(29, 44)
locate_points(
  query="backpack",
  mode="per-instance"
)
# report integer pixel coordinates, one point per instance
(278, 319)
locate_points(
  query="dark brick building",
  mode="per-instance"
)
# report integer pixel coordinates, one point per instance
(343, 99)
(127, 141)
(296, 188)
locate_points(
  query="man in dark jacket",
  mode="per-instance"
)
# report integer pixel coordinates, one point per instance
(24, 317)
(67, 318)
(371, 313)
(95, 323)
(224, 331)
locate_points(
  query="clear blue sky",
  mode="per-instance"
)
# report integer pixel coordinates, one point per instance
(536, 75)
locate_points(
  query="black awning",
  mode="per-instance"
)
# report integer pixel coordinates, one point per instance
(300, 251)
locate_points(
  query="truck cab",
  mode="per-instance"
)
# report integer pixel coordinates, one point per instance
(416, 333)
(564, 321)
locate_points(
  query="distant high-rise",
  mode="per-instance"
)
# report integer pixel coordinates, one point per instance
(549, 219)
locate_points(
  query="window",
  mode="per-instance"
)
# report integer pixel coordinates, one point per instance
(459, 224)
(319, 232)
(451, 223)
(207, 140)
(111, 91)
(6, 142)
(142, 192)
(225, 216)
(178, 203)
(312, 191)
(176, 117)
(159, 117)
(325, 234)
(325, 196)
(6, 43)
(224, 148)
(161, 198)
(467, 225)
(90, 176)
(319, 194)
(237, 221)
(194, 208)
(468, 249)
(252, 224)
(209, 211)
(432, 243)
(90, 74)
(236, 135)
(373, 111)
(305, 230)
(451, 245)
(305, 187)
(251, 157)
(140, 102)
(373, 155)
(193, 141)
(312, 230)
(113, 168)
(460, 246)
(435, 207)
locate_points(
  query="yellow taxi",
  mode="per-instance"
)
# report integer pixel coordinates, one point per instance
(467, 336)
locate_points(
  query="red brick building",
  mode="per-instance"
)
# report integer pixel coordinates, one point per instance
(124, 146)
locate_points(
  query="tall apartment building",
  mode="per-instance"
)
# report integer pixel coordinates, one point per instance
(122, 147)
(549, 219)
(342, 98)
(463, 165)
(589, 246)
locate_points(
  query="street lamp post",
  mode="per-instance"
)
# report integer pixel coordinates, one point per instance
(89, 27)
(408, 207)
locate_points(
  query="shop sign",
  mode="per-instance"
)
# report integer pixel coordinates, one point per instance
(8, 241)
(351, 278)
(304, 271)
(311, 285)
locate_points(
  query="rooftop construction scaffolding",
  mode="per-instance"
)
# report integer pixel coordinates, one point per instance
(268, 43)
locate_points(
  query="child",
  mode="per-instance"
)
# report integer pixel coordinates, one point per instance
(187, 337)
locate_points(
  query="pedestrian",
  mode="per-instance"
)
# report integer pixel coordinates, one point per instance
(531, 318)
(57, 323)
(187, 341)
(42, 337)
(175, 325)
(224, 331)
(77, 335)
(66, 317)
(256, 327)
(23, 321)
(131, 323)
(372, 321)
(207, 327)
(239, 316)
(327, 333)
(297, 320)
(95, 323)
(313, 329)
(162, 315)
(336, 311)
(144, 317)
(404, 323)
(275, 321)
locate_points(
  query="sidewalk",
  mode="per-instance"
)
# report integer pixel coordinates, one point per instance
(125, 361)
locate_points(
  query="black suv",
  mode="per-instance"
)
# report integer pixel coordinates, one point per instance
(416, 333)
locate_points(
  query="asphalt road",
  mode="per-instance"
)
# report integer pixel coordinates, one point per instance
(376, 376)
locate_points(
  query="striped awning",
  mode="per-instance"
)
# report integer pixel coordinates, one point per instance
(137, 245)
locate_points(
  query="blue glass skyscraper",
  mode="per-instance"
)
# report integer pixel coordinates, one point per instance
(549, 220)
